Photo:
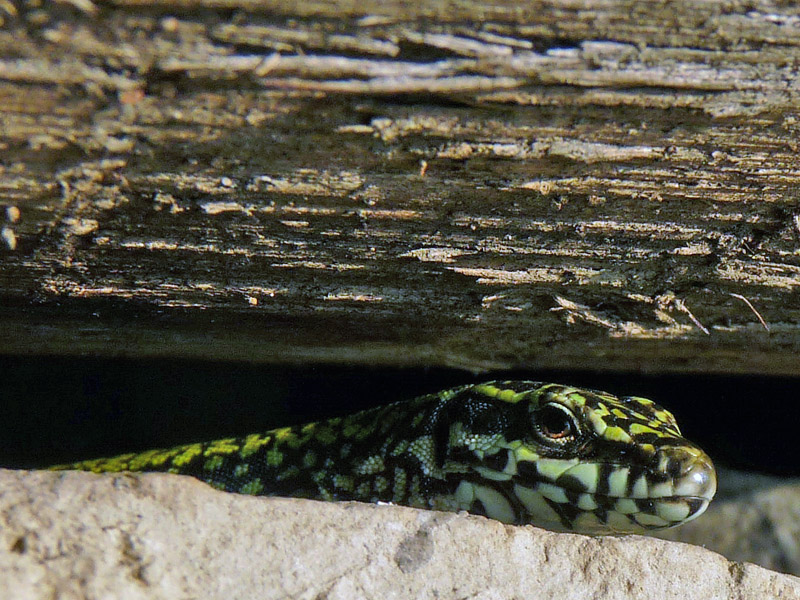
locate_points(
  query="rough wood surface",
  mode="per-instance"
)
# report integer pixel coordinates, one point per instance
(607, 185)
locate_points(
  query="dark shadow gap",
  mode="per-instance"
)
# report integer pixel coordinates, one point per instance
(58, 409)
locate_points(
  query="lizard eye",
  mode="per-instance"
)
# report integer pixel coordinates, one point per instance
(555, 423)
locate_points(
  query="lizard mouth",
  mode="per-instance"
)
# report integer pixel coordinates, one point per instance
(558, 509)
(598, 513)
(596, 497)
(674, 488)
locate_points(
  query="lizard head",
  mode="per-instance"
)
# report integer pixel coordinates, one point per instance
(569, 458)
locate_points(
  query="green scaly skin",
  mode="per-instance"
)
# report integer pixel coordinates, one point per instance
(522, 452)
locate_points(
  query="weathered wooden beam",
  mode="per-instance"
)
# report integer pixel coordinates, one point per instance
(542, 184)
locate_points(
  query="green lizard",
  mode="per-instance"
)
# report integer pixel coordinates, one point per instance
(523, 452)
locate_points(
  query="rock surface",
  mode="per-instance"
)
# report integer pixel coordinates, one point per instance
(760, 525)
(79, 535)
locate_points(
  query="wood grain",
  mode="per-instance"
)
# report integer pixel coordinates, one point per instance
(602, 185)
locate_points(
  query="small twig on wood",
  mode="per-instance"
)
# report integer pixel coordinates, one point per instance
(681, 306)
(755, 312)
(85, 6)
(669, 301)
(582, 312)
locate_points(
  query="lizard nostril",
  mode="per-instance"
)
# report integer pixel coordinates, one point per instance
(691, 471)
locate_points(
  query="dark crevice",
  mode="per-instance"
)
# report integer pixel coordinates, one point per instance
(60, 409)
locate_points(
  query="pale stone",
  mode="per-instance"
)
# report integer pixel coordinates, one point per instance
(80, 535)
(759, 524)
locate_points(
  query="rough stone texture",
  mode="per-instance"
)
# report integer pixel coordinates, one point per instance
(78, 535)
(760, 526)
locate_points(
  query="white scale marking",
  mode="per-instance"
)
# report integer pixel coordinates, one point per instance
(494, 503)
(538, 508)
(587, 473)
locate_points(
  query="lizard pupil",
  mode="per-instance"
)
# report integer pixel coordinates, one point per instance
(555, 423)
